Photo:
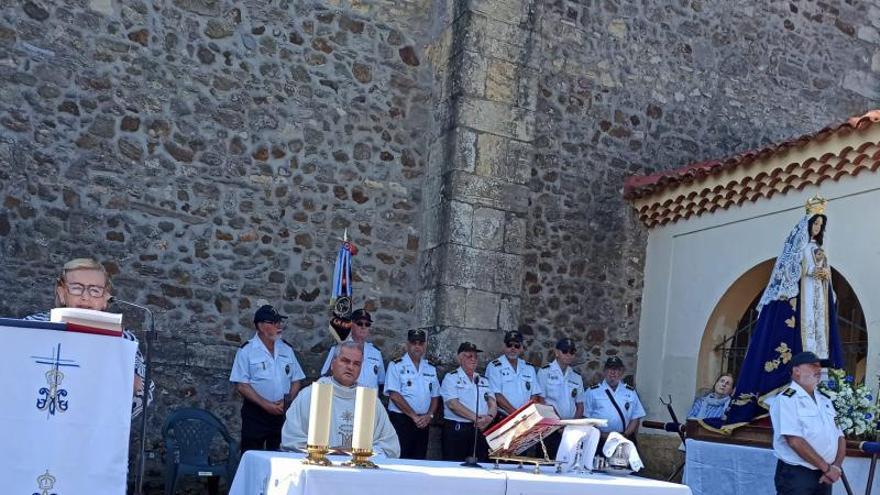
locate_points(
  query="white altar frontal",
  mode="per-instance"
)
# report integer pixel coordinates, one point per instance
(66, 410)
(728, 469)
(283, 473)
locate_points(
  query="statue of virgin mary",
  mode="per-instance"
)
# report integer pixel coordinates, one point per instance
(797, 312)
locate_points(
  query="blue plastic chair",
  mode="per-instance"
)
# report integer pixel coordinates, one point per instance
(189, 434)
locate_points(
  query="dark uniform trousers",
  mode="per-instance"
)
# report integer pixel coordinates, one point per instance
(458, 442)
(259, 429)
(798, 480)
(413, 440)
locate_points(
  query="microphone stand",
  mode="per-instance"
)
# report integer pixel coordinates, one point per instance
(471, 461)
(148, 337)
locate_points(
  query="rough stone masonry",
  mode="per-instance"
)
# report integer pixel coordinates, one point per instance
(212, 152)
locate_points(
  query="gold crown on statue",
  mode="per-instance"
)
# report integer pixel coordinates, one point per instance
(816, 205)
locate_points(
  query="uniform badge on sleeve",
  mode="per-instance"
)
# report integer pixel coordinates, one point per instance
(375, 369)
(486, 396)
(626, 406)
(287, 369)
(430, 387)
(528, 385)
(574, 392)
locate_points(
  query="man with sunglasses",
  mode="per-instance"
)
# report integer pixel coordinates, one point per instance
(563, 389)
(373, 369)
(267, 374)
(513, 381)
(615, 401)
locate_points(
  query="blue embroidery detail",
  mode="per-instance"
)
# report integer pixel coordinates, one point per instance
(53, 398)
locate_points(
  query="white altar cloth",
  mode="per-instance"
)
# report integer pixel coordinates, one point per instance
(280, 473)
(727, 469)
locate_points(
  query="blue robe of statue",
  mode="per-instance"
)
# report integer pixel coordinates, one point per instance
(797, 312)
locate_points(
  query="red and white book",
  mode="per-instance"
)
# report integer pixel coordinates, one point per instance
(88, 320)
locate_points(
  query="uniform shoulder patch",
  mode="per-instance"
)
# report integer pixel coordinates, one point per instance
(398, 360)
(242, 346)
(497, 362)
(594, 387)
(629, 387)
(789, 392)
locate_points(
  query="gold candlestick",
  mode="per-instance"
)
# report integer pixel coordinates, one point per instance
(360, 458)
(316, 455)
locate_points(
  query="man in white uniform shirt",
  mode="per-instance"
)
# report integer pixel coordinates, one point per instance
(414, 395)
(809, 445)
(469, 403)
(615, 401)
(373, 367)
(267, 374)
(563, 389)
(513, 381)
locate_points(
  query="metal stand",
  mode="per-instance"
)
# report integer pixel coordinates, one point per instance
(499, 456)
(317, 456)
(360, 458)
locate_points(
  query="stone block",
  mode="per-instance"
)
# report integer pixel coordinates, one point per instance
(503, 158)
(509, 313)
(458, 223)
(488, 229)
(426, 308)
(487, 191)
(496, 118)
(514, 234)
(506, 11)
(444, 345)
(481, 310)
(450, 304)
(467, 267)
(508, 273)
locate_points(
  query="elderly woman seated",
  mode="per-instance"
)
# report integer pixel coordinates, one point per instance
(85, 284)
(713, 404)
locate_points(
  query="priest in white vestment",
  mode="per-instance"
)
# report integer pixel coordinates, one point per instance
(344, 371)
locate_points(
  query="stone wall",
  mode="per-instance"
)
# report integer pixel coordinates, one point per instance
(212, 152)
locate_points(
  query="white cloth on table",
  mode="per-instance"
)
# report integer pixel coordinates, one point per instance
(274, 473)
(577, 448)
(726, 469)
(632, 454)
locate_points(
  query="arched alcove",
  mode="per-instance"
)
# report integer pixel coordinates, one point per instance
(728, 330)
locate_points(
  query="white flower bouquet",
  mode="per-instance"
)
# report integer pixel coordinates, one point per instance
(857, 410)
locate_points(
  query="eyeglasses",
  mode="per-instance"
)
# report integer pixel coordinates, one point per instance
(514, 345)
(363, 323)
(80, 289)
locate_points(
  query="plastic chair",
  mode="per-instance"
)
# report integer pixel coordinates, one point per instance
(189, 434)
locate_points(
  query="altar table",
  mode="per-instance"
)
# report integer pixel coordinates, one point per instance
(282, 473)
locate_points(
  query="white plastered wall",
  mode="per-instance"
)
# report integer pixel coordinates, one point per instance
(692, 263)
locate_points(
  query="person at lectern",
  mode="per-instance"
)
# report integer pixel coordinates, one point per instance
(470, 404)
(345, 368)
(267, 375)
(84, 283)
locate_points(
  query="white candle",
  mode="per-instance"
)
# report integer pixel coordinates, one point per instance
(364, 418)
(319, 414)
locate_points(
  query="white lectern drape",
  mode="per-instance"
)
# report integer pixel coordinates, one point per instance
(66, 411)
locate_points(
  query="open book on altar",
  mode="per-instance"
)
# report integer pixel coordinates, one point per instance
(527, 426)
(88, 320)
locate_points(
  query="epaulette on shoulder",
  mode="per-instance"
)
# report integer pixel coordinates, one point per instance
(594, 387)
(288, 343)
(789, 392)
(545, 366)
(629, 387)
(246, 343)
(432, 363)
(497, 362)
(398, 360)
(823, 393)
(576, 372)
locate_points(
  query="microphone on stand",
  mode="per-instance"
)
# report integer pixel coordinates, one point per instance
(149, 336)
(471, 461)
